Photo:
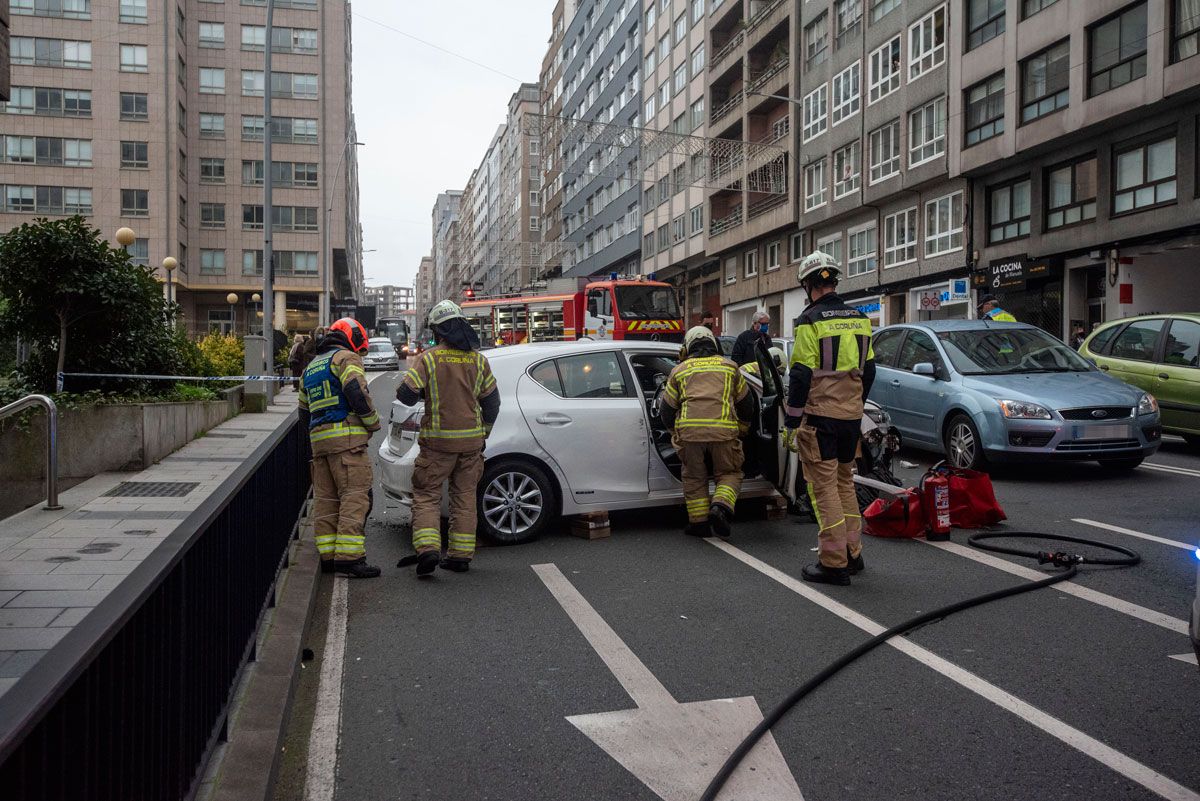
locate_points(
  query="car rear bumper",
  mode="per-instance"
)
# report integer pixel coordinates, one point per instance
(395, 475)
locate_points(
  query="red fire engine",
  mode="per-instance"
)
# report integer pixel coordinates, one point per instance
(612, 309)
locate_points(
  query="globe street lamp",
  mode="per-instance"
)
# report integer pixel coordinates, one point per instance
(169, 264)
(126, 237)
(232, 299)
(255, 298)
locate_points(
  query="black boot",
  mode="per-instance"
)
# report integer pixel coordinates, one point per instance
(698, 529)
(819, 574)
(356, 569)
(455, 564)
(720, 520)
(427, 562)
(855, 563)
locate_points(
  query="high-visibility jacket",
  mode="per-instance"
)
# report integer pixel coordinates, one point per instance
(832, 363)
(453, 382)
(999, 315)
(334, 394)
(706, 391)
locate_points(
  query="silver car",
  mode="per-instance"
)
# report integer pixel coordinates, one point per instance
(380, 355)
(578, 432)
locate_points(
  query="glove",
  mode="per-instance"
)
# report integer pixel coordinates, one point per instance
(791, 439)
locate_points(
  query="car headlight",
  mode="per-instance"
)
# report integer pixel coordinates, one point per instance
(1147, 404)
(1022, 410)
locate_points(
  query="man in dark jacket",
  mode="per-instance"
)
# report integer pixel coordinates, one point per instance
(758, 334)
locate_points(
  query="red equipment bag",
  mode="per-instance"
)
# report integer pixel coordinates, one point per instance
(972, 500)
(901, 516)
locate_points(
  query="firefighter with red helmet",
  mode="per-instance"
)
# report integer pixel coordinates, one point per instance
(335, 406)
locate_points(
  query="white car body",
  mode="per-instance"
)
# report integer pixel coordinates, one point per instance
(597, 450)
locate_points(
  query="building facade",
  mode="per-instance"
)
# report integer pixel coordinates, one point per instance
(550, 142)
(519, 225)
(390, 300)
(447, 209)
(423, 294)
(149, 116)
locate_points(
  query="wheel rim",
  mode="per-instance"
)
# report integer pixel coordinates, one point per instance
(962, 445)
(512, 503)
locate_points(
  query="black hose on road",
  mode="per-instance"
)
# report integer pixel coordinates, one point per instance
(1070, 563)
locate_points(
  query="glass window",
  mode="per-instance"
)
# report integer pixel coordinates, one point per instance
(698, 60)
(135, 155)
(133, 12)
(847, 20)
(750, 261)
(1117, 50)
(212, 81)
(985, 110)
(697, 220)
(731, 269)
(1008, 212)
(831, 245)
(212, 126)
(918, 348)
(680, 28)
(927, 132)
(847, 92)
(886, 345)
(847, 169)
(1071, 193)
(1185, 29)
(884, 71)
(1145, 177)
(815, 113)
(212, 215)
(546, 373)
(814, 185)
(900, 238)
(212, 171)
(1183, 344)
(881, 8)
(591, 375)
(134, 58)
(796, 247)
(863, 250)
(134, 106)
(927, 43)
(212, 34)
(1044, 81)
(135, 203)
(985, 21)
(816, 41)
(1032, 7)
(680, 78)
(885, 152)
(944, 224)
(1138, 341)
(212, 262)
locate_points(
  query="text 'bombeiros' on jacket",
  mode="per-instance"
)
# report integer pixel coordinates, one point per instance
(833, 363)
(461, 398)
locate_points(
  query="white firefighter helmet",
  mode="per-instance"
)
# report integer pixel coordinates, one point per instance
(444, 311)
(777, 356)
(697, 333)
(818, 264)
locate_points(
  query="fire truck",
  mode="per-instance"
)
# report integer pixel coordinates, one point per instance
(617, 308)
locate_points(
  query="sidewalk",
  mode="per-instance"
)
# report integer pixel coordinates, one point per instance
(56, 566)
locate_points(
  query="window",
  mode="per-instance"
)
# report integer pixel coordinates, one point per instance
(212, 215)
(134, 58)
(47, 150)
(139, 252)
(664, 48)
(918, 348)
(731, 269)
(252, 83)
(847, 18)
(212, 126)
(212, 34)
(664, 95)
(48, 102)
(1117, 50)
(133, 12)
(697, 11)
(534, 223)
(1138, 341)
(697, 113)
(1071, 193)
(68, 9)
(985, 110)
(134, 106)
(698, 60)
(1183, 344)
(886, 344)
(881, 8)
(182, 213)
(816, 41)
(796, 247)
(38, 52)
(135, 155)
(212, 81)
(1185, 29)
(680, 78)
(664, 238)
(1144, 176)
(650, 64)
(985, 21)
(135, 203)
(885, 152)
(680, 28)
(831, 245)
(181, 119)
(927, 132)
(900, 238)
(212, 171)
(697, 221)
(862, 252)
(815, 113)
(772, 256)
(750, 263)
(944, 225)
(927, 43)
(1008, 212)
(1044, 81)
(212, 262)
(678, 230)
(651, 16)
(847, 169)
(647, 246)
(650, 108)
(814, 185)
(591, 375)
(1032, 7)
(884, 69)
(847, 92)
(47, 200)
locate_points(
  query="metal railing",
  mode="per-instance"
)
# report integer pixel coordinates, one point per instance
(761, 207)
(726, 49)
(735, 99)
(27, 402)
(132, 701)
(768, 72)
(757, 18)
(726, 223)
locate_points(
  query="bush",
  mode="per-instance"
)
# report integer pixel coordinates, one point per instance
(190, 392)
(225, 354)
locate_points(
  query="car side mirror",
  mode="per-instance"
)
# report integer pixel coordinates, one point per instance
(925, 368)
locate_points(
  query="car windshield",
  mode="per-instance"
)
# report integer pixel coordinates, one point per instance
(380, 347)
(996, 351)
(646, 302)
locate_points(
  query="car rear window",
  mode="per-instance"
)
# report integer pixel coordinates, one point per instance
(885, 346)
(1100, 342)
(1137, 341)
(546, 374)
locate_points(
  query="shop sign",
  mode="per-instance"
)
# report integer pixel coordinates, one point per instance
(959, 292)
(870, 308)
(1013, 273)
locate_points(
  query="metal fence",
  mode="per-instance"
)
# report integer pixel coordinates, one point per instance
(130, 704)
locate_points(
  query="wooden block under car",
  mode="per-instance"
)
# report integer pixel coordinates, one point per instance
(591, 525)
(777, 507)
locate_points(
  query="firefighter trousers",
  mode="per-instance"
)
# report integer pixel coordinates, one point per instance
(341, 502)
(727, 474)
(827, 450)
(432, 469)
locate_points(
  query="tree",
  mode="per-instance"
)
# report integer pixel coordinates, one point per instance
(81, 305)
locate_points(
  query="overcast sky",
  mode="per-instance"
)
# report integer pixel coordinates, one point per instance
(425, 116)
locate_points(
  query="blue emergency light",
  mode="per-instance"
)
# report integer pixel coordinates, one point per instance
(612, 276)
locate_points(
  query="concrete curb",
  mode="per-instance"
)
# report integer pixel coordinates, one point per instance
(251, 759)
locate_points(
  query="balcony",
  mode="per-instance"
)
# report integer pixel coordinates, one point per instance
(759, 15)
(725, 50)
(762, 206)
(727, 223)
(759, 78)
(723, 109)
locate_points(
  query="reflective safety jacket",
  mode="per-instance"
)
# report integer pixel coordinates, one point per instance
(335, 399)
(457, 384)
(833, 364)
(999, 315)
(706, 396)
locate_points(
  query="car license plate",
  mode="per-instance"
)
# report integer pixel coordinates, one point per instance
(1103, 432)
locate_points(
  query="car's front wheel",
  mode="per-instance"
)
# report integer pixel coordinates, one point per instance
(515, 502)
(964, 448)
(1121, 464)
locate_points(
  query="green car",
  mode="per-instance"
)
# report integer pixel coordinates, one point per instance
(1159, 353)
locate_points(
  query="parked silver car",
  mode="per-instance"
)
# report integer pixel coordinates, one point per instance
(380, 355)
(578, 431)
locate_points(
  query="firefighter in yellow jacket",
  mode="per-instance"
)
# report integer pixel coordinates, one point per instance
(704, 403)
(336, 407)
(461, 404)
(832, 369)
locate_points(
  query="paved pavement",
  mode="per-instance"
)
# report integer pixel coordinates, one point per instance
(487, 685)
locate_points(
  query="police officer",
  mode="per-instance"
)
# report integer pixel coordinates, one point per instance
(989, 309)
(831, 372)
(704, 402)
(461, 404)
(337, 410)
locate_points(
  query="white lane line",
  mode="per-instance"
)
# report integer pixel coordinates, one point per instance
(1139, 534)
(1069, 587)
(1189, 658)
(1127, 766)
(1170, 468)
(323, 742)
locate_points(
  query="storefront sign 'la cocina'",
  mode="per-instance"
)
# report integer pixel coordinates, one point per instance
(1012, 273)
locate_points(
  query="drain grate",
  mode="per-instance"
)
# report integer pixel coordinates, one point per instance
(152, 489)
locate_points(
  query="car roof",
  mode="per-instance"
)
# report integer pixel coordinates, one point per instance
(1195, 316)
(539, 350)
(959, 325)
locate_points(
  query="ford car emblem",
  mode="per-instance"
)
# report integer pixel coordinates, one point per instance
(1098, 413)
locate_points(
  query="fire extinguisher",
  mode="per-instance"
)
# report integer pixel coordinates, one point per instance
(935, 498)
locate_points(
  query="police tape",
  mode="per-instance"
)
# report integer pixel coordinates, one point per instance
(61, 376)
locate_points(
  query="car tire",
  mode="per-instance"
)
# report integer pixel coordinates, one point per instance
(962, 443)
(1122, 465)
(510, 482)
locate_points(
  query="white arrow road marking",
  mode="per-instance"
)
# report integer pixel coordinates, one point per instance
(1127, 766)
(1069, 587)
(1189, 658)
(674, 749)
(1132, 533)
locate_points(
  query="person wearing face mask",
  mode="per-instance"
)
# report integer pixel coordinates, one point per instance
(758, 335)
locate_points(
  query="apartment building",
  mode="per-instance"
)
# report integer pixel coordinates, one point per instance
(1075, 122)
(674, 97)
(551, 84)
(423, 295)
(519, 224)
(447, 209)
(390, 300)
(149, 116)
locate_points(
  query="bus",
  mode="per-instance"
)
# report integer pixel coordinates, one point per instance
(395, 329)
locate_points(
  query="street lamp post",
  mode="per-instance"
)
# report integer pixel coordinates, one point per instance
(326, 283)
(126, 237)
(169, 264)
(232, 299)
(256, 299)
